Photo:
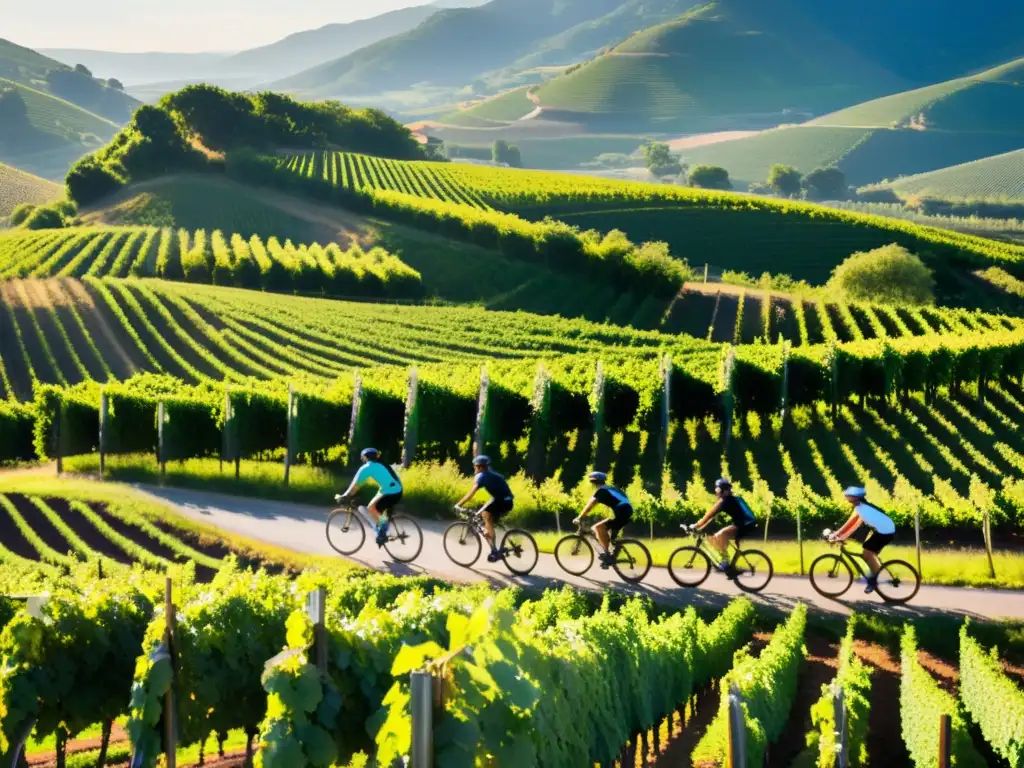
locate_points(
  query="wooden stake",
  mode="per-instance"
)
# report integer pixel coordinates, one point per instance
(945, 741)
(169, 743)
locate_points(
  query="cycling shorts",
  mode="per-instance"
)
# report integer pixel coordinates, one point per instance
(499, 508)
(621, 515)
(876, 542)
(743, 530)
(385, 502)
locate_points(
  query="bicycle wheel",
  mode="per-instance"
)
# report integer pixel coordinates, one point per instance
(519, 551)
(632, 560)
(345, 531)
(898, 582)
(462, 544)
(574, 554)
(753, 570)
(831, 576)
(405, 539)
(689, 567)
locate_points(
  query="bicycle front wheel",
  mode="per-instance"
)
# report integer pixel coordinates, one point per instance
(689, 567)
(753, 570)
(462, 544)
(519, 551)
(405, 539)
(345, 531)
(898, 582)
(632, 561)
(574, 554)
(831, 576)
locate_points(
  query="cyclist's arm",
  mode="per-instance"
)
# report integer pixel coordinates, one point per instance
(706, 520)
(586, 510)
(357, 481)
(472, 492)
(849, 527)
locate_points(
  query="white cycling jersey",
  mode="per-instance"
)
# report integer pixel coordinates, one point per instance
(875, 518)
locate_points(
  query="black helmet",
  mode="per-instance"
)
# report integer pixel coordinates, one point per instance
(482, 461)
(370, 453)
(723, 482)
(598, 477)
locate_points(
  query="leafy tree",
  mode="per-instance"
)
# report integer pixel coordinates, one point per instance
(825, 184)
(660, 161)
(709, 177)
(90, 180)
(116, 84)
(21, 213)
(82, 70)
(785, 180)
(515, 158)
(890, 274)
(13, 112)
(503, 152)
(44, 217)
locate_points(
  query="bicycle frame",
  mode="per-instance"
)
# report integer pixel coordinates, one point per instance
(853, 558)
(713, 553)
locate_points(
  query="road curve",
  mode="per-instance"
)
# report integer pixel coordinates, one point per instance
(301, 528)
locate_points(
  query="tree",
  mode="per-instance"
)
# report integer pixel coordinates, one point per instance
(515, 157)
(13, 112)
(502, 152)
(825, 184)
(89, 180)
(660, 161)
(116, 84)
(890, 274)
(785, 180)
(709, 177)
(82, 70)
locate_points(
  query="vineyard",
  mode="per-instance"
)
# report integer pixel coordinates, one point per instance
(198, 257)
(993, 178)
(329, 681)
(17, 188)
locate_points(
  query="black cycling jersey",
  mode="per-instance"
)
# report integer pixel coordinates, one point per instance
(494, 484)
(737, 509)
(611, 497)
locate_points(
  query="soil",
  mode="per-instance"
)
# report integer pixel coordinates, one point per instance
(725, 322)
(32, 343)
(38, 759)
(40, 523)
(885, 734)
(205, 545)
(40, 305)
(80, 343)
(122, 363)
(173, 336)
(945, 674)
(10, 353)
(13, 539)
(88, 533)
(819, 669)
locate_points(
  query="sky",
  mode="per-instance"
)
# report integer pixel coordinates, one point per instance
(175, 25)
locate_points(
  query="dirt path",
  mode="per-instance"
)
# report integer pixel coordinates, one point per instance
(885, 733)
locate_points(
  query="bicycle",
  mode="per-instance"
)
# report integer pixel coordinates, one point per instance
(690, 566)
(630, 558)
(464, 542)
(832, 575)
(346, 532)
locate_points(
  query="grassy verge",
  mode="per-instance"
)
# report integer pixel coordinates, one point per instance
(944, 566)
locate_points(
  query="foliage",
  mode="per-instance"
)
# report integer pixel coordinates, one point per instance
(784, 180)
(709, 177)
(993, 701)
(854, 680)
(660, 161)
(17, 425)
(507, 154)
(825, 184)
(890, 275)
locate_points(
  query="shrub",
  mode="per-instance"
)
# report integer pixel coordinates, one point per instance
(90, 180)
(21, 213)
(44, 217)
(825, 184)
(890, 274)
(709, 177)
(784, 180)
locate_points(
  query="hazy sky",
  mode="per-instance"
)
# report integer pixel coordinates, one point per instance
(174, 25)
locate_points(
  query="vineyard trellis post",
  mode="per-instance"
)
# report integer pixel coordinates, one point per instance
(666, 418)
(728, 367)
(841, 716)
(785, 378)
(289, 448)
(539, 425)
(421, 692)
(480, 433)
(169, 714)
(800, 533)
(411, 418)
(104, 407)
(833, 351)
(597, 411)
(161, 417)
(737, 730)
(58, 438)
(917, 537)
(945, 741)
(357, 398)
(316, 609)
(987, 523)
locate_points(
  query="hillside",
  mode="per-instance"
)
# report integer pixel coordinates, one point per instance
(17, 187)
(992, 179)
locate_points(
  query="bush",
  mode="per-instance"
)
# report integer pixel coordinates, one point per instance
(89, 180)
(21, 213)
(890, 274)
(709, 177)
(784, 180)
(825, 184)
(44, 217)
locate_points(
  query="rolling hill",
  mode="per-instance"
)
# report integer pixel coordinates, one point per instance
(17, 187)
(996, 179)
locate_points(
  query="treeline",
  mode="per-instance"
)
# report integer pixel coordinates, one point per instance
(190, 129)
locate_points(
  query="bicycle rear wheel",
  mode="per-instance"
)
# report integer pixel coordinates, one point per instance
(574, 554)
(689, 567)
(405, 539)
(753, 570)
(519, 551)
(462, 544)
(345, 531)
(632, 560)
(831, 576)
(898, 582)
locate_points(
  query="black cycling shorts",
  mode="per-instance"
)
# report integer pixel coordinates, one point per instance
(499, 508)
(743, 530)
(622, 514)
(386, 501)
(876, 542)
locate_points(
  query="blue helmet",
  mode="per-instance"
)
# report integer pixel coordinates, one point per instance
(370, 453)
(482, 461)
(723, 482)
(598, 477)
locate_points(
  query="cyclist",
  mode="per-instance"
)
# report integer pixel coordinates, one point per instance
(883, 530)
(389, 490)
(500, 504)
(622, 513)
(743, 522)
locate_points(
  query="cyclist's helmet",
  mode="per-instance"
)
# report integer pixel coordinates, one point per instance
(723, 482)
(370, 453)
(482, 461)
(598, 477)
(855, 492)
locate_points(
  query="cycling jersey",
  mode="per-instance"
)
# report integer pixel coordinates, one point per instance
(737, 509)
(611, 497)
(494, 484)
(875, 518)
(380, 473)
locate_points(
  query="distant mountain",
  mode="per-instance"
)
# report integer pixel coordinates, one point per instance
(450, 48)
(136, 68)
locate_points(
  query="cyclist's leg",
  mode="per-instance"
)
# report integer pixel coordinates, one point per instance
(602, 531)
(490, 515)
(374, 509)
(873, 546)
(720, 541)
(379, 508)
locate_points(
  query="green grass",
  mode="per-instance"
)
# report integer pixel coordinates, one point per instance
(962, 567)
(503, 108)
(995, 179)
(54, 115)
(17, 187)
